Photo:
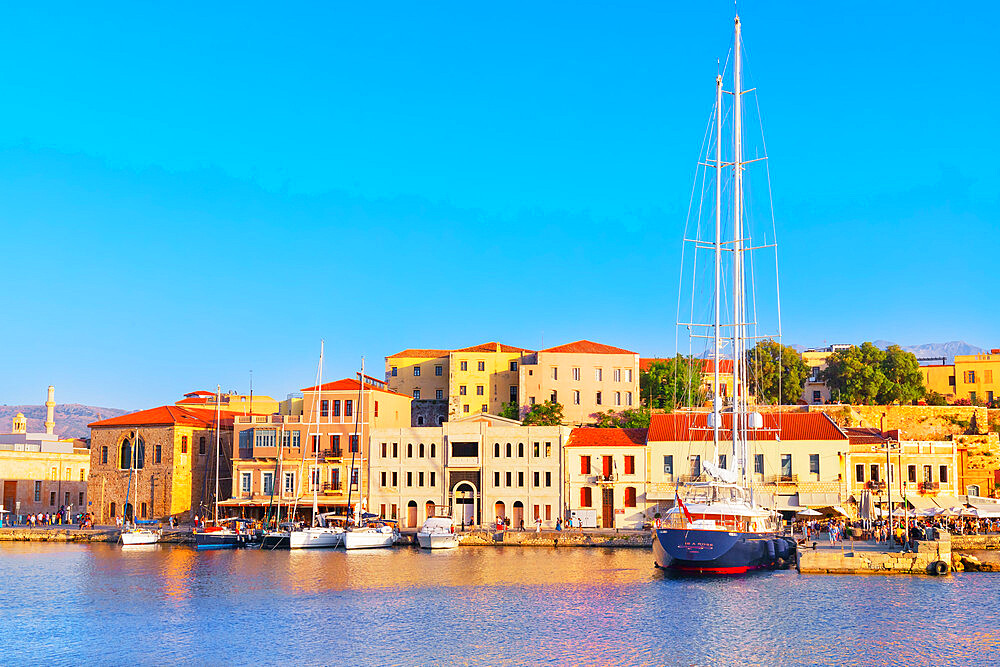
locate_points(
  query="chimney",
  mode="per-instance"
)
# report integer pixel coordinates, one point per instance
(50, 412)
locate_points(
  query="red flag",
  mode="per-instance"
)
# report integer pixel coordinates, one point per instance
(680, 502)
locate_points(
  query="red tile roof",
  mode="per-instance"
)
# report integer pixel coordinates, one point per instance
(164, 415)
(870, 436)
(587, 347)
(687, 426)
(493, 347)
(420, 354)
(607, 437)
(349, 384)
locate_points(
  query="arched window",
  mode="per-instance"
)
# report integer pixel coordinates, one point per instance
(508, 450)
(520, 450)
(629, 496)
(433, 450)
(421, 450)
(112, 510)
(409, 451)
(126, 458)
(496, 450)
(585, 496)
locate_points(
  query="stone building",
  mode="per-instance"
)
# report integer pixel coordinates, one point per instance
(606, 476)
(477, 469)
(39, 472)
(172, 450)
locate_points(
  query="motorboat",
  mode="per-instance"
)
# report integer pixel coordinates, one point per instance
(438, 532)
(371, 532)
(229, 533)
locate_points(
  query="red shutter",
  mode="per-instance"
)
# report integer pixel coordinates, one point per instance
(584, 465)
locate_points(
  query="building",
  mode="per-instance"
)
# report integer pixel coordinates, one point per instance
(974, 377)
(40, 472)
(979, 464)
(606, 477)
(479, 468)
(815, 391)
(317, 451)
(584, 377)
(796, 458)
(229, 402)
(930, 468)
(173, 450)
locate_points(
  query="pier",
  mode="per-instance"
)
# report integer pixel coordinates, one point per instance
(927, 557)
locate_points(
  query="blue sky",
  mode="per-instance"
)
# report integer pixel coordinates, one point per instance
(189, 192)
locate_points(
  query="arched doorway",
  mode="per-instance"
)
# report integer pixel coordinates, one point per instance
(127, 512)
(973, 489)
(112, 510)
(464, 503)
(499, 511)
(518, 517)
(411, 514)
(429, 509)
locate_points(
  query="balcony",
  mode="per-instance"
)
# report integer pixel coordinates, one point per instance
(874, 485)
(929, 487)
(331, 487)
(605, 479)
(333, 453)
(782, 479)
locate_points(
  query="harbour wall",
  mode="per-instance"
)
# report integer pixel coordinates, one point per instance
(856, 560)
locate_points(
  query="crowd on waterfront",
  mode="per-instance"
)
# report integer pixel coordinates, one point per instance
(898, 531)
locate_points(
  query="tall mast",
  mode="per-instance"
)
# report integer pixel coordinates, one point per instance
(358, 424)
(739, 309)
(718, 259)
(319, 398)
(218, 448)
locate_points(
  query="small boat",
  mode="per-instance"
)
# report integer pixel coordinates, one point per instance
(371, 532)
(133, 534)
(230, 533)
(438, 532)
(327, 534)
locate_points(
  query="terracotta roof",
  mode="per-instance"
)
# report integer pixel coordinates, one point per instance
(607, 437)
(687, 426)
(870, 436)
(349, 384)
(492, 347)
(163, 416)
(420, 354)
(196, 400)
(587, 347)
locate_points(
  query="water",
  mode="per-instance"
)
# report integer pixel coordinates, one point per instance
(72, 604)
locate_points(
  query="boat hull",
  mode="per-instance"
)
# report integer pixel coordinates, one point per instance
(133, 537)
(223, 540)
(437, 541)
(718, 552)
(315, 538)
(363, 539)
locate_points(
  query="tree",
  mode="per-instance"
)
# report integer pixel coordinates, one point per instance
(671, 383)
(630, 418)
(770, 366)
(510, 410)
(548, 413)
(934, 398)
(868, 376)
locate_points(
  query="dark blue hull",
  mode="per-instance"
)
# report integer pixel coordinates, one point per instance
(719, 552)
(221, 540)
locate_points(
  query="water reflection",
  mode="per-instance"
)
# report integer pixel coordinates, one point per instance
(476, 606)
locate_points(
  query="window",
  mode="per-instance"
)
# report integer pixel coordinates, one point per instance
(548, 479)
(409, 451)
(628, 398)
(439, 370)
(157, 453)
(520, 450)
(513, 393)
(629, 465)
(695, 465)
(38, 492)
(313, 477)
(758, 464)
(420, 479)
(816, 397)
(585, 496)
(83, 475)
(481, 365)
(416, 394)
(722, 461)
(335, 444)
(507, 479)
(537, 450)
(537, 478)
(409, 478)
(970, 376)
(462, 390)
(315, 444)
(439, 394)
(104, 456)
(509, 450)
(628, 374)
(598, 399)
(184, 444)
(911, 474)
(874, 472)
(513, 366)
(354, 444)
(416, 371)
(267, 483)
(201, 445)
(814, 464)
(988, 377)
(555, 373)
(395, 480)
(618, 398)
(381, 479)
(668, 464)
(464, 449)
(479, 390)
(629, 496)
(576, 397)
(348, 408)
(395, 450)
(944, 474)
(383, 449)
(576, 374)
(52, 498)
(246, 479)
(928, 476)
(520, 479)
(432, 478)
(786, 465)
(598, 374)
(81, 499)
(496, 479)
(324, 408)
(618, 375)
(496, 450)
(548, 449)
(290, 483)
(464, 365)
(859, 472)
(584, 465)
(336, 408)
(395, 371)
(465, 407)
(554, 396)
(972, 397)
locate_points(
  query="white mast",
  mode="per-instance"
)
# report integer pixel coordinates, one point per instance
(319, 398)
(718, 260)
(218, 400)
(739, 308)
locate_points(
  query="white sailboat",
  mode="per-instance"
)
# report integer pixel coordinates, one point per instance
(132, 533)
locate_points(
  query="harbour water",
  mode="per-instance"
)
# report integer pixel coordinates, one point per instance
(102, 604)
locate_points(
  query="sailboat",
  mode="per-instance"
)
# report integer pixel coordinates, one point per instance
(325, 531)
(717, 526)
(132, 532)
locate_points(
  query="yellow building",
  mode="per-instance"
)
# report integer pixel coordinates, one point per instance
(815, 391)
(975, 377)
(229, 402)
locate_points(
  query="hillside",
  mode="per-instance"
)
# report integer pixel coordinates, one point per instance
(932, 350)
(71, 418)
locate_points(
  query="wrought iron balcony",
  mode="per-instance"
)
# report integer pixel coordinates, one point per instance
(929, 487)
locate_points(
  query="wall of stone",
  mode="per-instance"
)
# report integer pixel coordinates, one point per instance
(432, 411)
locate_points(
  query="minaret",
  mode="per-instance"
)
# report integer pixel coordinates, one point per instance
(50, 412)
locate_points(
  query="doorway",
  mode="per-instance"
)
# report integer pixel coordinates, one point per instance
(518, 514)
(10, 495)
(607, 508)
(499, 511)
(465, 504)
(411, 514)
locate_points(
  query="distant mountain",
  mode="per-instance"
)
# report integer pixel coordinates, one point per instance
(71, 418)
(936, 350)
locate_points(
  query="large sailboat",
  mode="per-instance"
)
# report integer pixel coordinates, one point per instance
(136, 531)
(716, 524)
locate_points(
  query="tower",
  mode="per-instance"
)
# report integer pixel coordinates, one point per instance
(50, 411)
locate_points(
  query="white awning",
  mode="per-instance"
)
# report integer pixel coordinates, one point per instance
(819, 499)
(948, 501)
(920, 502)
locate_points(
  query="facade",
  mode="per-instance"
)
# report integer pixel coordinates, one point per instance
(318, 452)
(41, 473)
(979, 464)
(974, 377)
(173, 449)
(796, 457)
(229, 402)
(606, 476)
(478, 469)
(584, 377)
(816, 391)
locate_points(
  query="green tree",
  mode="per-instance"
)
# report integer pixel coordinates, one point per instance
(671, 383)
(771, 366)
(904, 381)
(638, 418)
(867, 375)
(934, 398)
(548, 413)
(510, 410)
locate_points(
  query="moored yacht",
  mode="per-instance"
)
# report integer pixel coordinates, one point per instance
(438, 532)
(371, 532)
(229, 533)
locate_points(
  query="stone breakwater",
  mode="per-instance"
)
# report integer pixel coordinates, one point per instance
(68, 534)
(931, 557)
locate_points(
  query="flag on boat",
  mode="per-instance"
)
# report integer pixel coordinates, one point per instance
(687, 515)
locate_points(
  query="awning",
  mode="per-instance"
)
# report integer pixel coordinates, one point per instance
(787, 503)
(819, 499)
(982, 503)
(948, 501)
(920, 502)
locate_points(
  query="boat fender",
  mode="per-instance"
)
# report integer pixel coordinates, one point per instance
(771, 551)
(939, 567)
(658, 525)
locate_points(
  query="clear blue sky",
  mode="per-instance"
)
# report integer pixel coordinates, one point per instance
(189, 191)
